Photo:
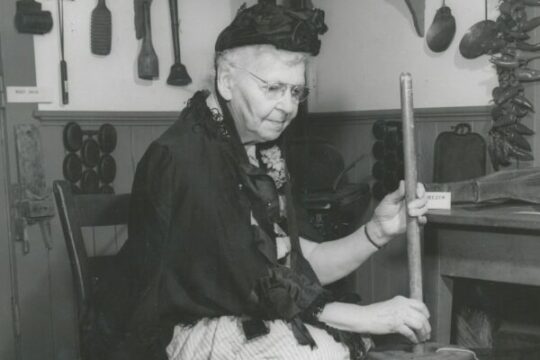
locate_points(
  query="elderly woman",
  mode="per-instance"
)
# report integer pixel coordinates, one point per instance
(216, 265)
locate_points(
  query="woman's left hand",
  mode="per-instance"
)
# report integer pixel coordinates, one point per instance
(390, 218)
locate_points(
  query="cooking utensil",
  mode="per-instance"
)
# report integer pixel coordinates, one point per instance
(101, 29)
(90, 182)
(30, 19)
(517, 184)
(147, 64)
(73, 137)
(107, 169)
(107, 138)
(442, 30)
(481, 38)
(90, 152)
(417, 9)
(72, 168)
(139, 17)
(178, 75)
(414, 252)
(63, 64)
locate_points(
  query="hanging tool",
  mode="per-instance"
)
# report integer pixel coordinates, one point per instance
(147, 63)
(32, 200)
(63, 64)
(442, 30)
(101, 29)
(481, 38)
(30, 19)
(178, 75)
(417, 9)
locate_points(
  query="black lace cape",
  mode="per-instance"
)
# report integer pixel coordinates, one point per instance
(192, 251)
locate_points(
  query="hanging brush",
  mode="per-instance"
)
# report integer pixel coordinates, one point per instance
(100, 29)
(63, 64)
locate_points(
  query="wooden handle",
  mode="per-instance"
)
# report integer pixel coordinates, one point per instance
(414, 251)
(64, 82)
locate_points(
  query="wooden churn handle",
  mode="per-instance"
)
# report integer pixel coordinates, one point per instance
(413, 229)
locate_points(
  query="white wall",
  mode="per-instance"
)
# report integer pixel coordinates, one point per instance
(370, 42)
(110, 83)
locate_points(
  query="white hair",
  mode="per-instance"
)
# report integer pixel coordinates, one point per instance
(240, 57)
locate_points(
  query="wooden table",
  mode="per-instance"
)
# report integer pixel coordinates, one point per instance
(496, 243)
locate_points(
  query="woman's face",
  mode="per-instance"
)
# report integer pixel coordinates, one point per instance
(258, 118)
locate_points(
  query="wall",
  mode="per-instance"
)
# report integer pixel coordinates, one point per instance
(370, 42)
(380, 28)
(42, 279)
(111, 82)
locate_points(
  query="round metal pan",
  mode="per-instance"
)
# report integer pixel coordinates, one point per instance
(107, 169)
(90, 152)
(90, 182)
(107, 138)
(480, 39)
(72, 167)
(73, 137)
(442, 30)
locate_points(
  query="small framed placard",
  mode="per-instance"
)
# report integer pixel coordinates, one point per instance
(439, 200)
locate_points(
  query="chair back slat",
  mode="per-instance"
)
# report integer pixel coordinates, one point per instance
(103, 209)
(79, 210)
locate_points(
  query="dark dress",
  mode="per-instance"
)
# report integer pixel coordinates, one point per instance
(192, 251)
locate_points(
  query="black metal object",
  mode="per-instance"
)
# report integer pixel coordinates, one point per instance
(89, 165)
(388, 153)
(334, 205)
(30, 19)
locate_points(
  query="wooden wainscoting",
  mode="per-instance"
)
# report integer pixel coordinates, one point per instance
(381, 277)
(385, 274)
(135, 132)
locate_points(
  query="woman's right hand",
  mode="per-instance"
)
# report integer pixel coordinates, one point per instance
(401, 315)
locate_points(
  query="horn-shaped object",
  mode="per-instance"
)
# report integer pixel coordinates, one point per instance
(417, 9)
(520, 184)
(178, 75)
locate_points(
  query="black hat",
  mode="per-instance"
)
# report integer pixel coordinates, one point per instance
(267, 23)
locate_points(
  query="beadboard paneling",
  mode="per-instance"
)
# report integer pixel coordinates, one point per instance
(382, 277)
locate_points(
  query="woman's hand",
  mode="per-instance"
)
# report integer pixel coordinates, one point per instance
(398, 315)
(401, 315)
(389, 218)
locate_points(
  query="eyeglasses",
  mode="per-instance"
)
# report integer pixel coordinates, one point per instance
(276, 90)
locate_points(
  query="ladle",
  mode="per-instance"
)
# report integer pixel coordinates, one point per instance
(481, 38)
(442, 30)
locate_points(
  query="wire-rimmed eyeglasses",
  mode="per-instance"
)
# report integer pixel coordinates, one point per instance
(276, 90)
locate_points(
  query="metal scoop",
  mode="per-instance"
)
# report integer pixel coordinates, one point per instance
(442, 30)
(481, 38)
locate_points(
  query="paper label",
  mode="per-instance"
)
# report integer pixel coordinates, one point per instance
(28, 94)
(439, 200)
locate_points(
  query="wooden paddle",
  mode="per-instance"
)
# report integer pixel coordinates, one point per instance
(413, 229)
(516, 184)
(147, 62)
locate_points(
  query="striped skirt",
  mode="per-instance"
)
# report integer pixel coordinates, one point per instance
(223, 339)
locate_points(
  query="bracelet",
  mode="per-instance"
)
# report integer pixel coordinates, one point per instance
(379, 247)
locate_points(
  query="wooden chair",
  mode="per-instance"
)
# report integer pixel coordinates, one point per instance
(86, 210)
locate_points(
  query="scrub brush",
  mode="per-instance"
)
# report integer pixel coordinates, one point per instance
(100, 29)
